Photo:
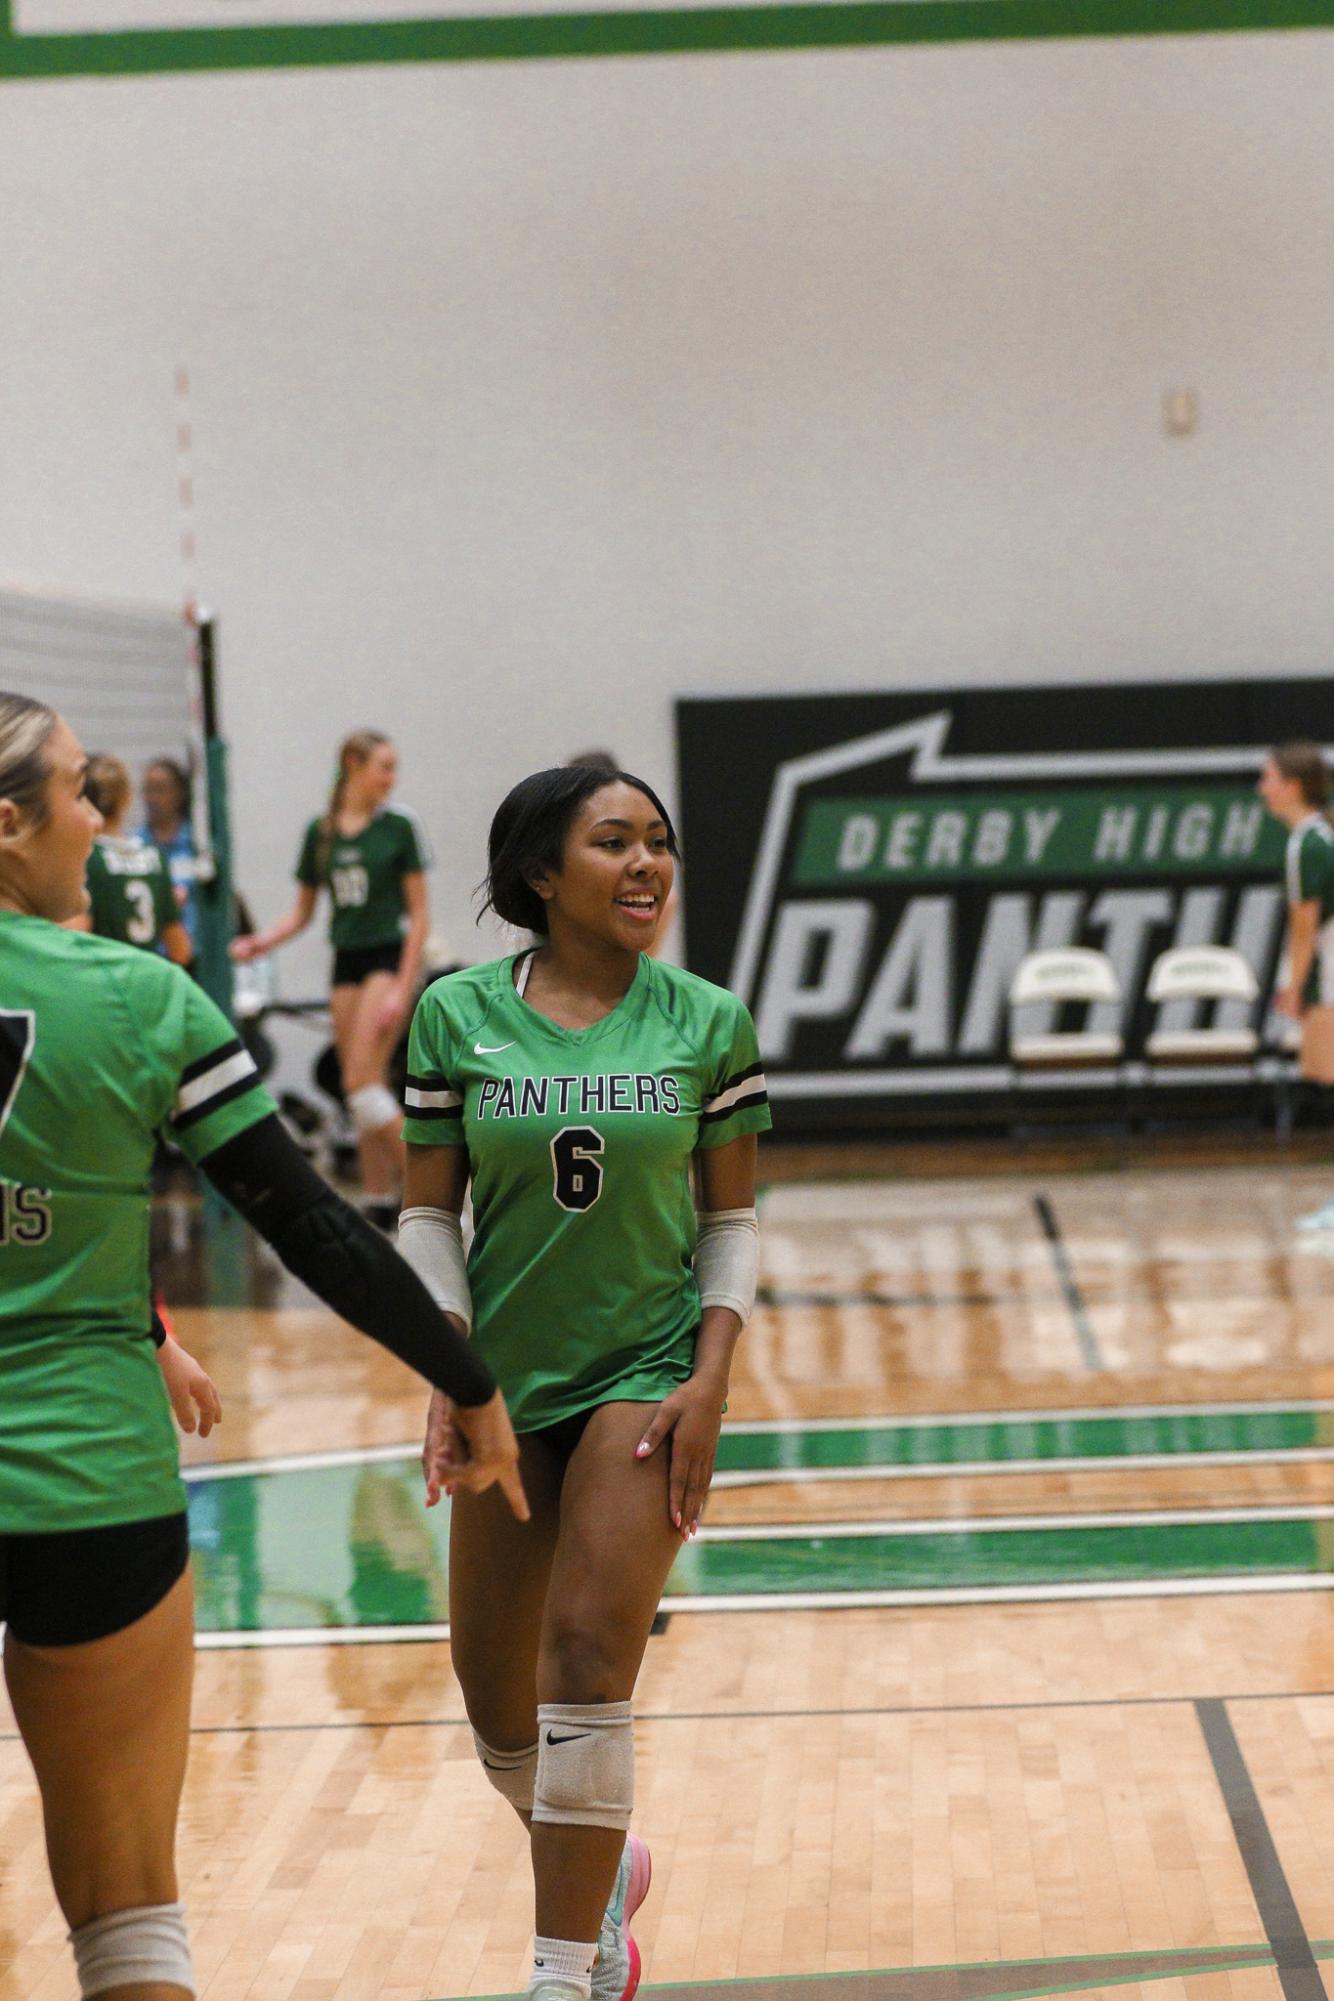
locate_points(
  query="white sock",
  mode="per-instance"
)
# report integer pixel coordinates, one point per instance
(563, 1959)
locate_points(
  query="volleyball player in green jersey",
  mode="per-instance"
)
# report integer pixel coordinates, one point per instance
(578, 1087)
(372, 857)
(1295, 786)
(130, 894)
(101, 1046)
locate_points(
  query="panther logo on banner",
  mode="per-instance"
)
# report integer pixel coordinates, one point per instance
(869, 892)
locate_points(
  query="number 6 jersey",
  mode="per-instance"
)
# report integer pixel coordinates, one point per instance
(579, 1144)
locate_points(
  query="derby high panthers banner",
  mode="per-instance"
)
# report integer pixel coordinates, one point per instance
(867, 872)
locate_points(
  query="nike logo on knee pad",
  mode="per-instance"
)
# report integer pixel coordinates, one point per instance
(552, 1738)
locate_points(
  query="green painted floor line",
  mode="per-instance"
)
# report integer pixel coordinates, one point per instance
(352, 1547)
(966, 1442)
(949, 1442)
(980, 1556)
(998, 1980)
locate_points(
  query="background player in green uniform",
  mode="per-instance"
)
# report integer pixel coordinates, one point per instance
(100, 1046)
(130, 894)
(1295, 787)
(578, 1087)
(372, 857)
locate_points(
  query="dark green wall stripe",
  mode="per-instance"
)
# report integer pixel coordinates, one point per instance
(660, 32)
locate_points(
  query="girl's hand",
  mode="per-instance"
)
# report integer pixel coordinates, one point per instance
(692, 1417)
(190, 1388)
(444, 1451)
(242, 950)
(475, 1449)
(1288, 1000)
(491, 1453)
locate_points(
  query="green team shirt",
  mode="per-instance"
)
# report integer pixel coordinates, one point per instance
(1309, 874)
(365, 874)
(101, 1047)
(129, 891)
(579, 1144)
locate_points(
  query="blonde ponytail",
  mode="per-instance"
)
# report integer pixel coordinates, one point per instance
(352, 751)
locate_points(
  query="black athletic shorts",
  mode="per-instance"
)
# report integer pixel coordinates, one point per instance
(564, 1435)
(83, 1584)
(353, 964)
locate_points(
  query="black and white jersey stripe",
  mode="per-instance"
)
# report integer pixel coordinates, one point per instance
(432, 1098)
(213, 1081)
(1314, 823)
(741, 1092)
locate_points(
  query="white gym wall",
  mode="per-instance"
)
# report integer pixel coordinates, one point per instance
(527, 396)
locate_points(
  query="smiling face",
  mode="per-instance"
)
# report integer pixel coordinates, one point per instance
(44, 853)
(616, 871)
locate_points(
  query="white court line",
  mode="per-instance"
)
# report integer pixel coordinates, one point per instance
(301, 1462)
(819, 1601)
(1139, 1462)
(1010, 1524)
(370, 1455)
(919, 1421)
(766, 1476)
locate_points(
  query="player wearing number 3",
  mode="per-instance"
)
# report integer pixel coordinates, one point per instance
(576, 1085)
(372, 857)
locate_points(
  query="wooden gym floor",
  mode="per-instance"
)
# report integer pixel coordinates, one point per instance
(1005, 1665)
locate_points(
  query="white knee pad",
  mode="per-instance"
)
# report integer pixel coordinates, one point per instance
(512, 1773)
(144, 1945)
(585, 1764)
(373, 1107)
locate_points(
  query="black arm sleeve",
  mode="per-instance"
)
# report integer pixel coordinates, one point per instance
(336, 1252)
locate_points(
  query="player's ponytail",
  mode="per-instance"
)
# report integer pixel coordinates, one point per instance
(528, 837)
(25, 731)
(108, 784)
(352, 752)
(1304, 762)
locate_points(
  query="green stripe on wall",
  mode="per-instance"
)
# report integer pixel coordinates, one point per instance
(659, 32)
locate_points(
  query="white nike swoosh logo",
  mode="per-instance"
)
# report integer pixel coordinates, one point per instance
(482, 1048)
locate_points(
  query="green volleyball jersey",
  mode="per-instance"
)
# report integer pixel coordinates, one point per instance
(1309, 873)
(101, 1047)
(129, 891)
(365, 874)
(579, 1144)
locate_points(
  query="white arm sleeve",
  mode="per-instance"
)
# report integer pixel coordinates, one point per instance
(431, 1241)
(727, 1260)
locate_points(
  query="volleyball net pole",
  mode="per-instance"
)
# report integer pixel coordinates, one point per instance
(211, 819)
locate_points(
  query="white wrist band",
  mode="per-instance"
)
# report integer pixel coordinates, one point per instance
(727, 1260)
(431, 1241)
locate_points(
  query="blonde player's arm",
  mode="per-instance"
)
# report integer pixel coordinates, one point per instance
(430, 1237)
(190, 1388)
(298, 917)
(1303, 924)
(176, 944)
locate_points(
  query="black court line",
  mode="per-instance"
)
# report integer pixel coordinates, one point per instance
(1298, 1973)
(1074, 1298)
(775, 1715)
